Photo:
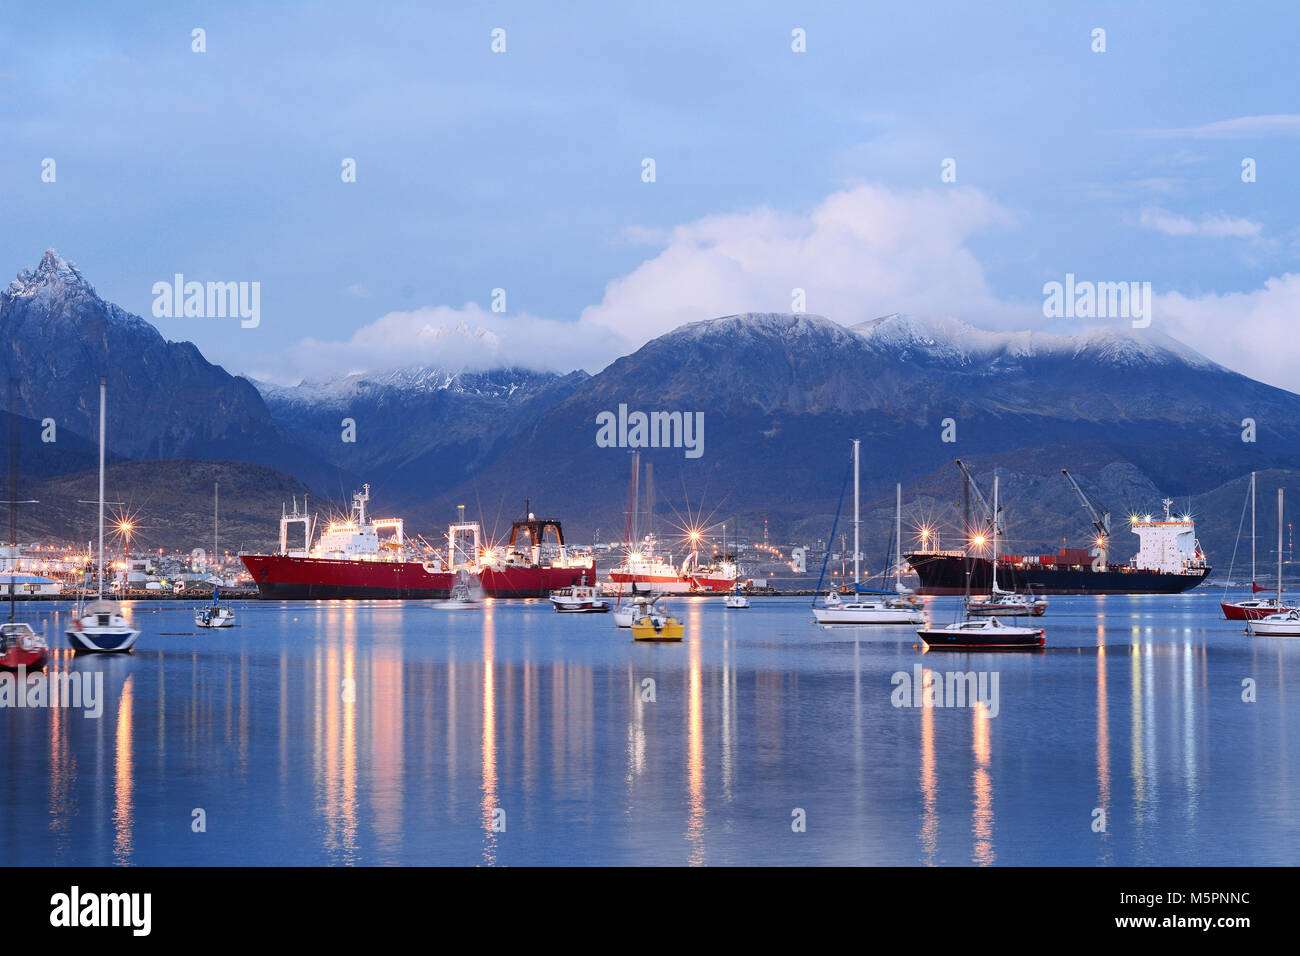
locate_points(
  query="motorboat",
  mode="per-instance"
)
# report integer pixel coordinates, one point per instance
(21, 648)
(578, 599)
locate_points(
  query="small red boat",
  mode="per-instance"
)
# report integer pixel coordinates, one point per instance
(21, 648)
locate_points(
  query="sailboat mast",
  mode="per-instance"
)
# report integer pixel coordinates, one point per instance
(898, 536)
(1279, 547)
(856, 445)
(216, 487)
(1252, 532)
(13, 491)
(995, 532)
(103, 388)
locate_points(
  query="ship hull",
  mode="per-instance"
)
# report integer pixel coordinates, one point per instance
(946, 574)
(621, 582)
(288, 578)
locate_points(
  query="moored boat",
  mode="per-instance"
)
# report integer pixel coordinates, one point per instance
(657, 626)
(1254, 608)
(1283, 623)
(579, 599)
(21, 648)
(367, 559)
(102, 627)
(215, 614)
(899, 608)
(736, 601)
(985, 633)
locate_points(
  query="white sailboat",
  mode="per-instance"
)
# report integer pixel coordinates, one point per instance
(1284, 623)
(638, 606)
(735, 600)
(893, 610)
(999, 602)
(101, 626)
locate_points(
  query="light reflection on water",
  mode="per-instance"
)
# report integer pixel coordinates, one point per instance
(375, 733)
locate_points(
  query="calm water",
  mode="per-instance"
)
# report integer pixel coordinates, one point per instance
(1135, 707)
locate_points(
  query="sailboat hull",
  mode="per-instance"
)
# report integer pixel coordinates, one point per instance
(1252, 610)
(103, 640)
(1018, 638)
(868, 614)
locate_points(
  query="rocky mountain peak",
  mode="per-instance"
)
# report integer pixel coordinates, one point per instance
(53, 271)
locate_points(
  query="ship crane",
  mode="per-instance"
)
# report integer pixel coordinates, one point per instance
(1100, 522)
(979, 495)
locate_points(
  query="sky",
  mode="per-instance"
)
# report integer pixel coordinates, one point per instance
(774, 170)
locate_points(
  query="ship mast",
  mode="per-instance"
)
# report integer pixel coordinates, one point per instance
(1279, 547)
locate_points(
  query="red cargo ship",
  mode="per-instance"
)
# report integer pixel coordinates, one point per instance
(351, 560)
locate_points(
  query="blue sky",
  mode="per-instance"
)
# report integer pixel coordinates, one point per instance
(775, 169)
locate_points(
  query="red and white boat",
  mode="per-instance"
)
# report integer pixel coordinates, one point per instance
(365, 558)
(1254, 609)
(649, 572)
(21, 648)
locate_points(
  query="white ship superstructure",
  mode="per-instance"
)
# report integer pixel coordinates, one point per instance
(1167, 545)
(354, 539)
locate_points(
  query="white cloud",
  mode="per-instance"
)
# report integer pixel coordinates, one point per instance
(1216, 226)
(447, 337)
(1250, 332)
(1243, 127)
(863, 252)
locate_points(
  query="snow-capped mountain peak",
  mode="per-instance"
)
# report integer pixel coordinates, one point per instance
(53, 269)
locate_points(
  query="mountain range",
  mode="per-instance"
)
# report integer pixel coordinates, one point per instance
(1135, 415)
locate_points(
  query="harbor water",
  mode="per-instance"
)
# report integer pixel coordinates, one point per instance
(1149, 731)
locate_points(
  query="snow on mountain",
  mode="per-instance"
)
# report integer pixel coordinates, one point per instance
(502, 383)
(956, 344)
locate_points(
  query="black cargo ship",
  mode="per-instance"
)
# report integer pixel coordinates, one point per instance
(1068, 572)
